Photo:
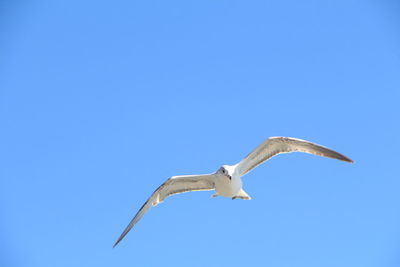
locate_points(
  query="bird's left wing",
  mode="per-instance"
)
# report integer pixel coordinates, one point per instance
(278, 145)
(174, 185)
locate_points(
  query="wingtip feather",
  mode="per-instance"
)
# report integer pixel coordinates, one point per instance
(349, 160)
(116, 243)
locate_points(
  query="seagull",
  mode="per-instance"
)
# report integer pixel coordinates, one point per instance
(226, 181)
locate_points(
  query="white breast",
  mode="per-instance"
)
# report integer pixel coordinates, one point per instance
(228, 187)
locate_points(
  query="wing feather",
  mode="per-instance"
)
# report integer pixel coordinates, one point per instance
(174, 185)
(277, 145)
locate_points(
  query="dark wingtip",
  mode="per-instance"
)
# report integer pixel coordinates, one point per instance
(344, 158)
(116, 243)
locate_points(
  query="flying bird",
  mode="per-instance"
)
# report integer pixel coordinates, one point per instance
(226, 181)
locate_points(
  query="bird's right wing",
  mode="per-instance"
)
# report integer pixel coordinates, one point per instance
(277, 145)
(174, 185)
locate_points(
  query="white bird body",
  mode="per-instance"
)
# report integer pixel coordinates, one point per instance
(227, 181)
(229, 184)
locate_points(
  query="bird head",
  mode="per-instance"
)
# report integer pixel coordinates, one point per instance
(226, 170)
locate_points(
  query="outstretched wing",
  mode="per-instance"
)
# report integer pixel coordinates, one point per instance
(277, 145)
(174, 185)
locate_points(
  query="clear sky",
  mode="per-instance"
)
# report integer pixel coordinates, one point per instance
(102, 101)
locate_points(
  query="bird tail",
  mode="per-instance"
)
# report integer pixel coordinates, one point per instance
(242, 194)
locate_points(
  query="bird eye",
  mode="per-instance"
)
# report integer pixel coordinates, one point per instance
(223, 170)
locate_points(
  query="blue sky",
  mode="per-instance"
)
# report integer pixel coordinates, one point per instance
(101, 101)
